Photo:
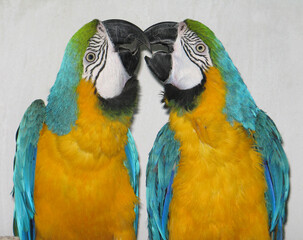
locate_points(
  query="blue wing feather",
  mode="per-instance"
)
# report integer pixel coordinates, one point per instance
(269, 144)
(132, 165)
(161, 169)
(24, 169)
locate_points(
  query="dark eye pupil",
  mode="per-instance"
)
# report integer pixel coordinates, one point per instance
(90, 57)
(200, 48)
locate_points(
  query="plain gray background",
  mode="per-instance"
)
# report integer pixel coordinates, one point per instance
(264, 39)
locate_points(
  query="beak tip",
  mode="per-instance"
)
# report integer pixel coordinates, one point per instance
(160, 65)
(147, 59)
(145, 42)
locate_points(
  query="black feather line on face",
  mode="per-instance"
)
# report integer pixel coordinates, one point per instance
(123, 104)
(181, 100)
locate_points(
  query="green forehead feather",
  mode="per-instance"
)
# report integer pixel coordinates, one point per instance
(79, 42)
(208, 37)
(80, 39)
(200, 29)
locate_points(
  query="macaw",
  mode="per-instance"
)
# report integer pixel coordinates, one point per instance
(217, 169)
(76, 165)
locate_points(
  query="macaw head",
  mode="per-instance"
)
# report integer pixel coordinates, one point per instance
(186, 53)
(105, 53)
(187, 57)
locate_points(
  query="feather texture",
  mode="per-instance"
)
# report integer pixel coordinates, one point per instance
(239, 106)
(63, 96)
(220, 174)
(161, 168)
(132, 165)
(76, 164)
(269, 144)
(81, 174)
(24, 169)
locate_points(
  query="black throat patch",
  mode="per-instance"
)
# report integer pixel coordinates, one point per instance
(123, 104)
(182, 100)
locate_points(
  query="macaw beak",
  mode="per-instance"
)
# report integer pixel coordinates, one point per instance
(127, 39)
(164, 33)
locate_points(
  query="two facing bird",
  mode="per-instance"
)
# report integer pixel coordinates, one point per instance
(217, 169)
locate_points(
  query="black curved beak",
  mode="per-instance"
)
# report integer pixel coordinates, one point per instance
(127, 38)
(164, 33)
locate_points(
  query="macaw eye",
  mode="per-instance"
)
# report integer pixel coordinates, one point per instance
(90, 57)
(200, 47)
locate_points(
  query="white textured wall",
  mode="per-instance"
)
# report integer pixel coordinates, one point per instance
(264, 39)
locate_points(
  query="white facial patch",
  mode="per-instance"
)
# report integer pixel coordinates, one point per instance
(103, 66)
(184, 74)
(189, 58)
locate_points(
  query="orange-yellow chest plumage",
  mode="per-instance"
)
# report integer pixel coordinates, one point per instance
(82, 188)
(218, 191)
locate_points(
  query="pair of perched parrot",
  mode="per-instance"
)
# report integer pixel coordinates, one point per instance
(217, 169)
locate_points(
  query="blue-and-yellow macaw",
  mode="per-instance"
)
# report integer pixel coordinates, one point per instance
(217, 169)
(76, 165)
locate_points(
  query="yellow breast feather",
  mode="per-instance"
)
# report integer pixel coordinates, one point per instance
(82, 188)
(218, 191)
